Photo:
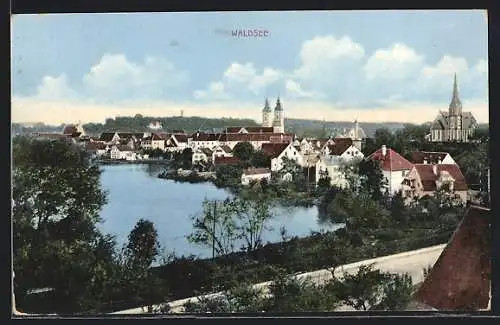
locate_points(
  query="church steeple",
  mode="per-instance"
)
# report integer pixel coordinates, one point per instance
(266, 107)
(455, 108)
(278, 105)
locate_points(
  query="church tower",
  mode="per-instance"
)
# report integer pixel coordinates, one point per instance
(455, 115)
(266, 115)
(279, 118)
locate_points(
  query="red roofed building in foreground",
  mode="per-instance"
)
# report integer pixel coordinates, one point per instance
(394, 167)
(425, 179)
(460, 278)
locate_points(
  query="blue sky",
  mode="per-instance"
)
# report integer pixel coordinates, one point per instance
(379, 65)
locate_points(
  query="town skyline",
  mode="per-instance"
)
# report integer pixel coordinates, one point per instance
(389, 71)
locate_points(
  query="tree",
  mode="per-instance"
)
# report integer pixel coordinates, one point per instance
(260, 159)
(252, 219)
(372, 289)
(228, 175)
(56, 203)
(143, 246)
(215, 227)
(372, 179)
(244, 151)
(186, 158)
(384, 136)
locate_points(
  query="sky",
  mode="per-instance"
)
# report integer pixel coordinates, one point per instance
(374, 66)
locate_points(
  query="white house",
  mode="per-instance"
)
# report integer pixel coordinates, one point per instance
(429, 157)
(204, 140)
(181, 141)
(394, 167)
(333, 159)
(201, 155)
(156, 125)
(122, 153)
(109, 137)
(221, 151)
(277, 151)
(158, 142)
(255, 174)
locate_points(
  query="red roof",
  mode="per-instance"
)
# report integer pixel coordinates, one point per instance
(340, 146)
(273, 150)
(206, 136)
(247, 137)
(250, 129)
(181, 137)
(226, 161)
(460, 278)
(392, 161)
(429, 178)
(159, 136)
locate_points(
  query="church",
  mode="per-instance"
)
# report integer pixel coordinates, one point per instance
(275, 119)
(454, 125)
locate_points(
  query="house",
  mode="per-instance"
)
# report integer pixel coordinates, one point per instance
(277, 151)
(158, 141)
(201, 155)
(120, 152)
(226, 161)
(255, 175)
(428, 157)
(96, 149)
(156, 125)
(460, 279)
(333, 159)
(181, 140)
(356, 134)
(171, 144)
(425, 179)
(109, 137)
(394, 168)
(204, 140)
(221, 151)
(146, 143)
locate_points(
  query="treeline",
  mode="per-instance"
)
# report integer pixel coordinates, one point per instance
(139, 123)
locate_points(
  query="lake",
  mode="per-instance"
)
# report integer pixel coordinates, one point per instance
(134, 192)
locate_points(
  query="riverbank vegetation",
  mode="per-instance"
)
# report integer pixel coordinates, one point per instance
(56, 202)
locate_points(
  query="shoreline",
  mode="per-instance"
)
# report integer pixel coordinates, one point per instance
(133, 162)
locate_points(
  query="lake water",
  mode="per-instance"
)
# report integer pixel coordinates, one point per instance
(134, 192)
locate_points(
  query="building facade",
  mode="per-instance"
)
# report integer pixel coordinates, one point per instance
(275, 119)
(454, 125)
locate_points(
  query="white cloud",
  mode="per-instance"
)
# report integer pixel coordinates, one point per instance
(294, 90)
(446, 67)
(215, 91)
(55, 88)
(115, 77)
(397, 62)
(482, 66)
(323, 52)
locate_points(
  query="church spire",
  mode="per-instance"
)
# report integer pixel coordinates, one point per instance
(266, 106)
(278, 105)
(455, 104)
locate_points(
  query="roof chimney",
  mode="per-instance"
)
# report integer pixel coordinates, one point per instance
(384, 150)
(435, 169)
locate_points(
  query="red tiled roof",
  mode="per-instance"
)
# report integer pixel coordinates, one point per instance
(205, 136)
(158, 136)
(418, 157)
(256, 171)
(428, 178)
(340, 146)
(273, 150)
(107, 136)
(460, 278)
(281, 138)
(245, 137)
(226, 161)
(250, 129)
(392, 161)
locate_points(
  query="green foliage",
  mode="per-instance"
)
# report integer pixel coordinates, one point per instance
(373, 289)
(228, 176)
(143, 246)
(260, 159)
(244, 151)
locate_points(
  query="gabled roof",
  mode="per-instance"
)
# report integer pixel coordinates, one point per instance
(250, 129)
(125, 135)
(122, 148)
(392, 161)
(460, 278)
(181, 138)
(418, 157)
(158, 136)
(428, 178)
(340, 146)
(107, 136)
(273, 150)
